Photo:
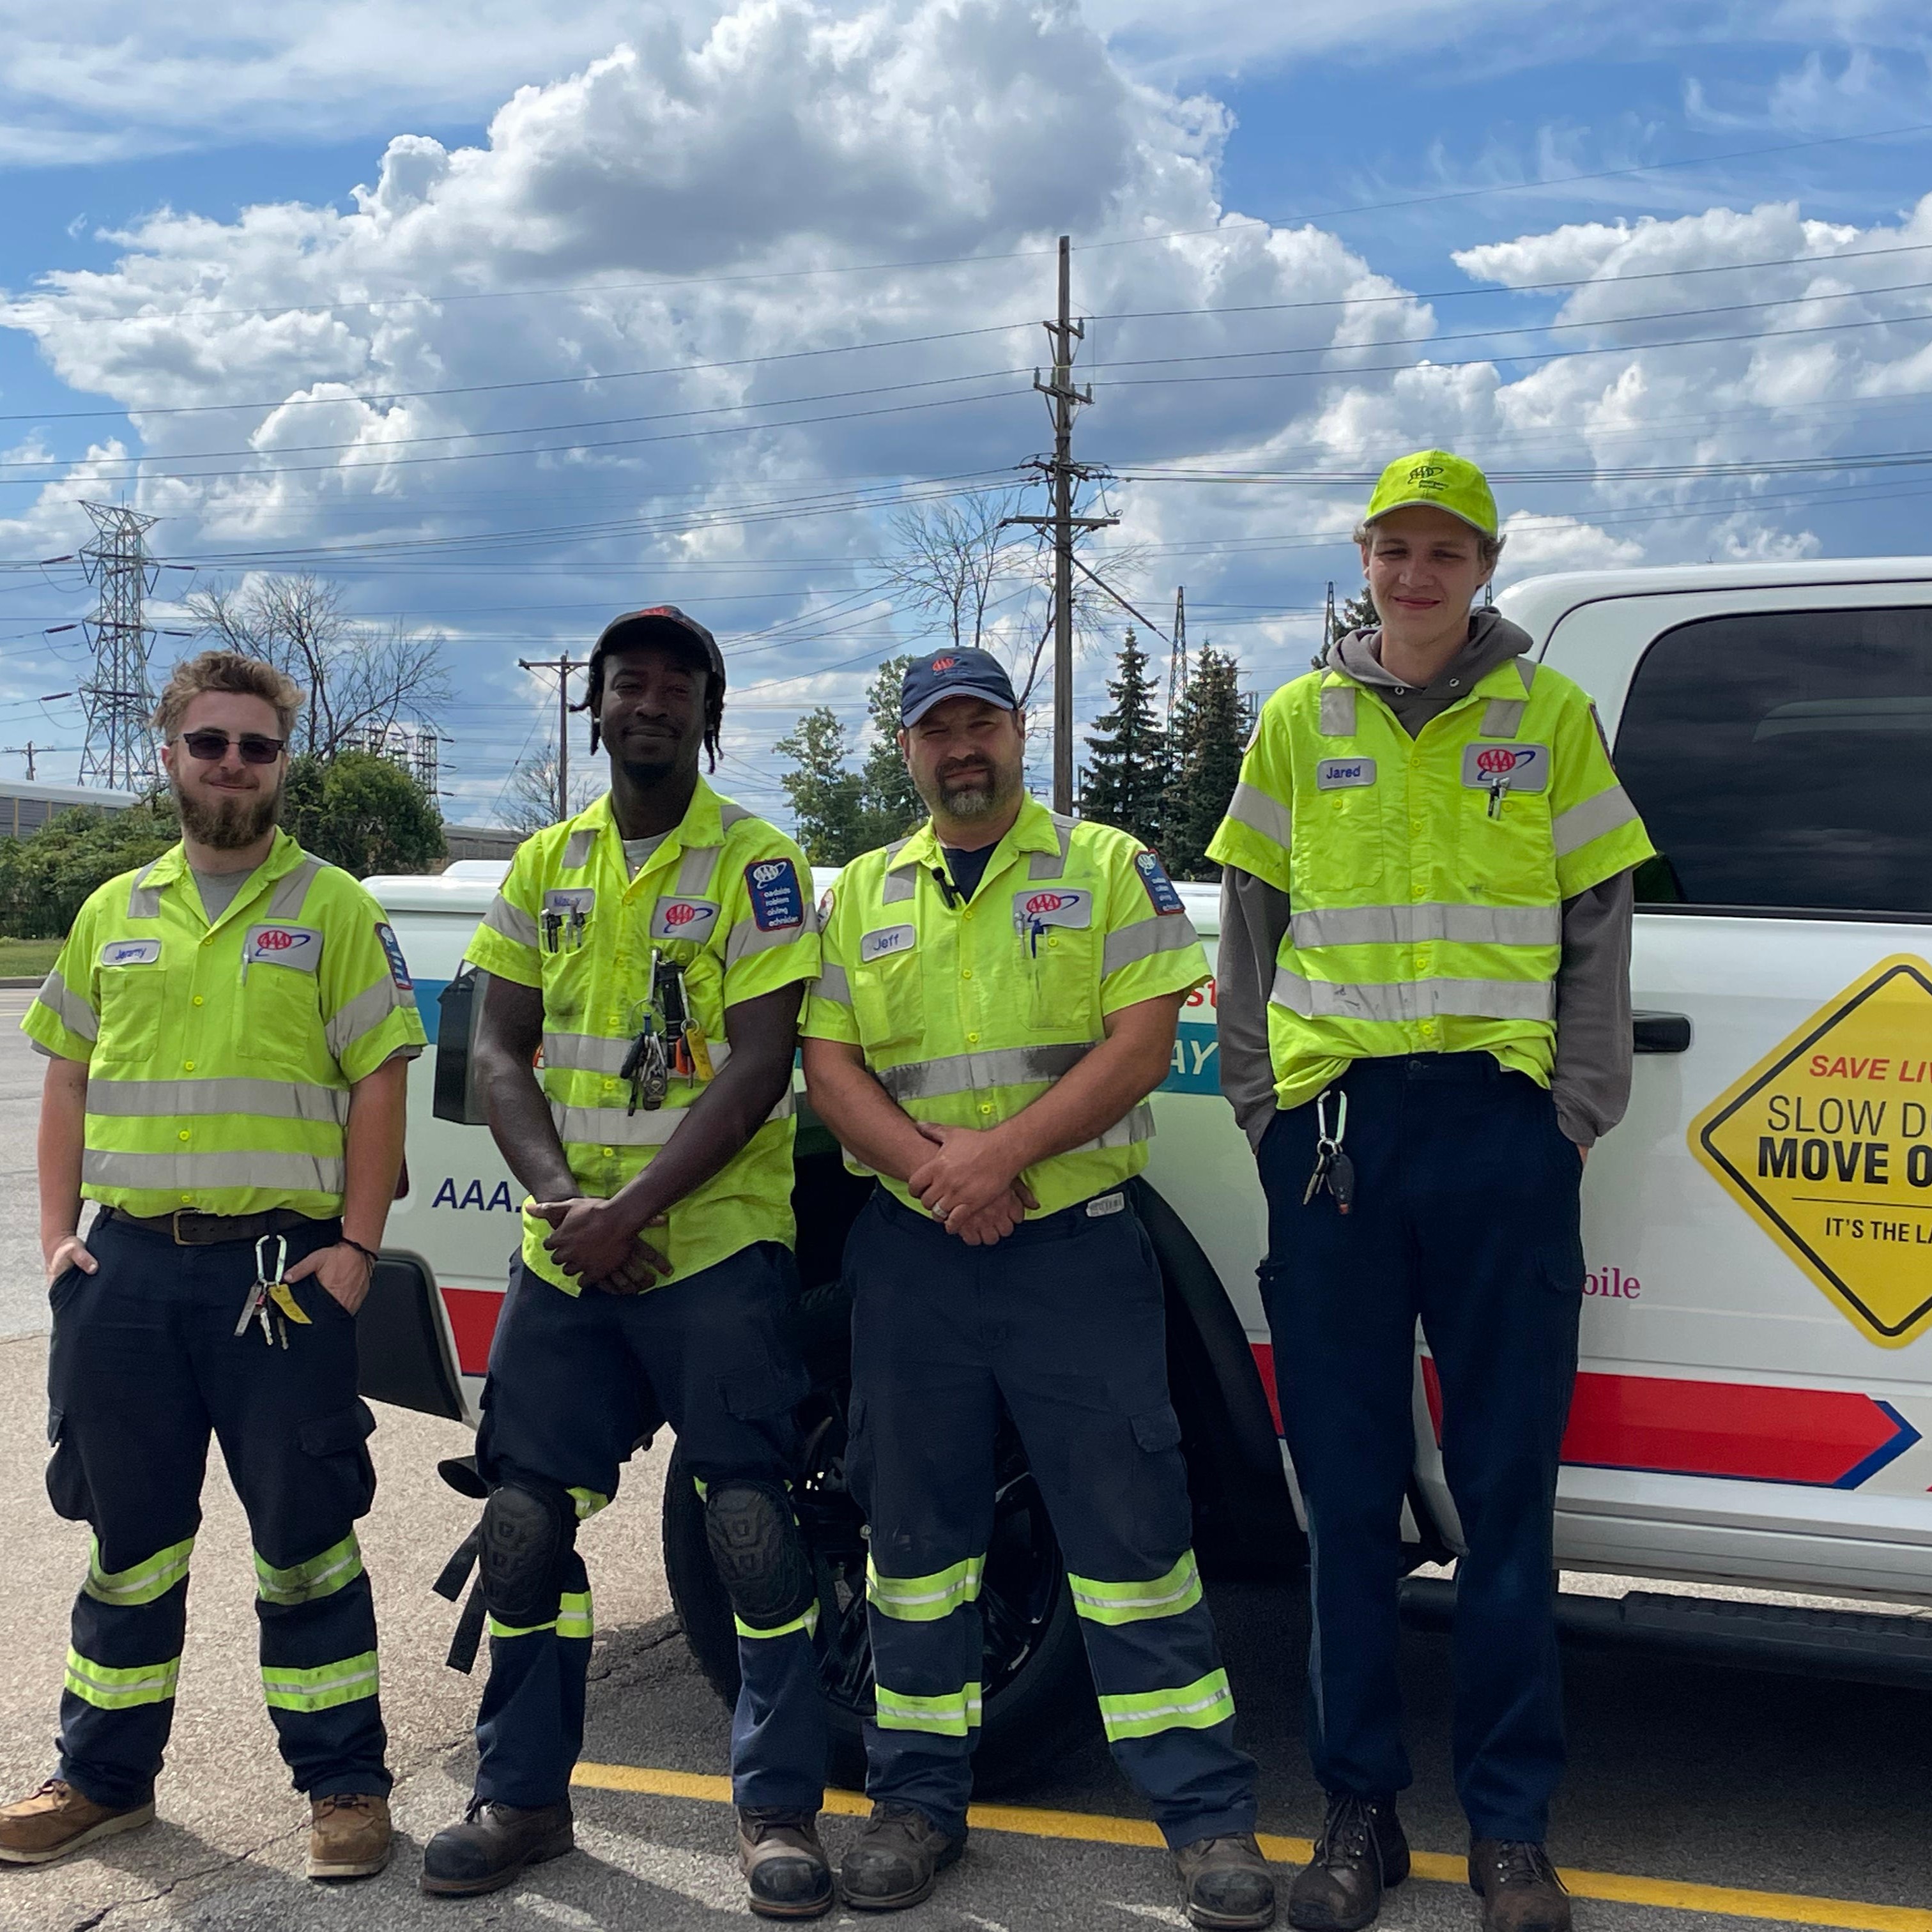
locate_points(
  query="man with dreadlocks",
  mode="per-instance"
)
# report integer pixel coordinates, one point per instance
(655, 947)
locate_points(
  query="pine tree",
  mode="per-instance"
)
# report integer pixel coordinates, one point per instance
(1126, 782)
(1207, 731)
(826, 798)
(1358, 613)
(892, 806)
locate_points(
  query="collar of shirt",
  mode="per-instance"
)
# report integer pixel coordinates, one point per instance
(702, 825)
(172, 868)
(1032, 831)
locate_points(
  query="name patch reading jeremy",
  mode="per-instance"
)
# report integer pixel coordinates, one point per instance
(887, 939)
(1160, 886)
(778, 899)
(399, 966)
(1056, 905)
(297, 946)
(1518, 767)
(1337, 774)
(130, 953)
(683, 918)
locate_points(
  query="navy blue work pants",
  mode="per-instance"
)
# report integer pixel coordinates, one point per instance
(1063, 1322)
(145, 1363)
(1466, 1216)
(571, 1383)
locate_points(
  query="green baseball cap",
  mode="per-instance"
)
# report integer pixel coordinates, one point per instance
(1445, 482)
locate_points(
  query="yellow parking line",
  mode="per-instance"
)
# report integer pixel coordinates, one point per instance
(1093, 1827)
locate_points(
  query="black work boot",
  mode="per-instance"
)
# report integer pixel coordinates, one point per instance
(784, 1865)
(894, 1860)
(1227, 1883)
(491, 1844)
(1518, 1887)
(1361, 1853)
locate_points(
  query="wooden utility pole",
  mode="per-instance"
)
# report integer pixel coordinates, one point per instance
(1063, 474)
(561, 668)
(30, 750)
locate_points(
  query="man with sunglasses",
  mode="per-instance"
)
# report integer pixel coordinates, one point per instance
(228, 1032)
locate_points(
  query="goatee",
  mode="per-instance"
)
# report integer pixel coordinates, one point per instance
(231, 824)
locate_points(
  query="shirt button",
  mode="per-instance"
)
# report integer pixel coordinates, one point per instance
(985, 1106)
(611, 1154)
(972, 1039)
(187, 1200)
(188, 1066)
(965, 972)
(1053, 942)
(197, 999)
(182, 1135)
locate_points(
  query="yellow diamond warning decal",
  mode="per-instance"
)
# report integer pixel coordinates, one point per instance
(1827, 1143)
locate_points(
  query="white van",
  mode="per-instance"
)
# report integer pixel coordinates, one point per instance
(1755, 1401)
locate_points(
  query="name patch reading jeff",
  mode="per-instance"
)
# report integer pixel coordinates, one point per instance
(778, 900)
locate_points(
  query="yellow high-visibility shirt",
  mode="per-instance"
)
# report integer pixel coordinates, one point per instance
(968, 1012)
(728, 898)
(220, 1057)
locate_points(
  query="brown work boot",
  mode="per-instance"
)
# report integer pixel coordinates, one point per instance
(892, 1863)
(349, 1835)
(1361, 1853)
(56, 1820)
(1518, 1887)
(1226, 1883)
(785, 1867)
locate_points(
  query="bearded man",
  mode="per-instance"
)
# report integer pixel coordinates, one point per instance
(228, 1032)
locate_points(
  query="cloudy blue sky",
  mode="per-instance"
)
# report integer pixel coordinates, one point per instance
(504, 317)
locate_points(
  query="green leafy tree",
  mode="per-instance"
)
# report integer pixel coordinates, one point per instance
(364, 813)
(827, 797)
(1354, 613)
(1126, 780)
(45, 879)
(1207, 730)
(892, 806)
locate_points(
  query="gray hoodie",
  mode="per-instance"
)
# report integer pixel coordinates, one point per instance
(1591, 1082)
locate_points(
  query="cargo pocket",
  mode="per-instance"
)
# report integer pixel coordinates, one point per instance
(66, 1481)
(338, 1442)
(1560, 1265)
(1064, 967)
(1157, 1428)
(858, 1453)
(758, 1394)
(889, 998)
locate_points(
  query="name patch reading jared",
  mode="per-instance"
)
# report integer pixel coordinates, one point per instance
(778, 899)
(1518, 767)
(297, 946)
(1337, 774)
(887, 939)
(130, 953)
(1055, 905)
(683, 918)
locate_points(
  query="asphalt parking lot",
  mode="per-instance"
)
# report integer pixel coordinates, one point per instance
(1698, 1796)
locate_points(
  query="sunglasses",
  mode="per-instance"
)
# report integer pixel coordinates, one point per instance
(255, 749)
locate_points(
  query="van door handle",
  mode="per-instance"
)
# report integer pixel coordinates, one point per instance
(1660, 1033)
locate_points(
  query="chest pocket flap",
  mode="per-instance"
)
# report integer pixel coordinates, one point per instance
(888, 989)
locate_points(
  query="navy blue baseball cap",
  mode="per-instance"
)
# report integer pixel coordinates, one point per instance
(662, 624)
(960, 672)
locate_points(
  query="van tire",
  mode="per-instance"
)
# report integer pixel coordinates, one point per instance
(1034, 1708)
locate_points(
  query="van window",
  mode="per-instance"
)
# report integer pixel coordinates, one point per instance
(1780, 761)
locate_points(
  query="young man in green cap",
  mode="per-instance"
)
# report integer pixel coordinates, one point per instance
(1424, 1009)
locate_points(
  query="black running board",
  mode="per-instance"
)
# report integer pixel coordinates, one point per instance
(1859, 1646)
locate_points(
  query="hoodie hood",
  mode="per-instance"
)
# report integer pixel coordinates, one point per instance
(1493, 640)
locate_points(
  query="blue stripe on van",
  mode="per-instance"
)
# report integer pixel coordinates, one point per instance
(426, 991)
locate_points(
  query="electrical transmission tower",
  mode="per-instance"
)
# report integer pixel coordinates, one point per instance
(119, 752)
(1177, 655)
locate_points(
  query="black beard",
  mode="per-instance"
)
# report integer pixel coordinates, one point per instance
(232, 824)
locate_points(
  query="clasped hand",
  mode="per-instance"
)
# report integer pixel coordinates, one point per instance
(593, 1239)
(970, 1185)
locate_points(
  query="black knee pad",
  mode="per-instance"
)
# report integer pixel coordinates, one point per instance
(759, 1553)
(526, 1534)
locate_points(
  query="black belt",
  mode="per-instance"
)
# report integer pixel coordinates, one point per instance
(188, 1228)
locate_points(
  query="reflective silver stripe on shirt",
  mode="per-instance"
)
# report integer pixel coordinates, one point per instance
(1252, 807)
(364, 1014)
(68, 1007)
(746, 939)
(1137, 1126)
(902, 883)
(576, 850)
(1053, 865)
(612, 1126)
(275, 1099)
(1411, 1000)
(1502, 717)
(1574, 829)
(832, 985)
(184, 1173)
(511, 921)
(292, 889)
(1412, 925)
(1165, 932)
(975, 1072)
(589, 1053)
(144, 900)
(693, 874)
(1338, 711)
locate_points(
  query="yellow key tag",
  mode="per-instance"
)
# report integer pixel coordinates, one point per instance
(283, 1297)
(700, 1054)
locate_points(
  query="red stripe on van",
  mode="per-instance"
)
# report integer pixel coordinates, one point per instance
(472, 1313)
